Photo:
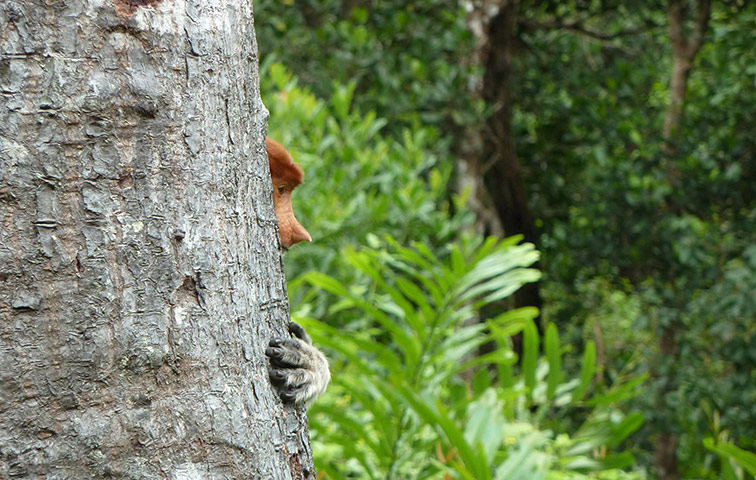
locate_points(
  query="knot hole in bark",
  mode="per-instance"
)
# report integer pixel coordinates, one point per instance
(187, 292)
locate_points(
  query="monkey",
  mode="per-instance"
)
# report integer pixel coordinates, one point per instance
(297, 369)
(286, 176)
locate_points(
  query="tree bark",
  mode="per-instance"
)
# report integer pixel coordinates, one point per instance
(684, 51)
(140, 271)
(685, 47)
(490, 166)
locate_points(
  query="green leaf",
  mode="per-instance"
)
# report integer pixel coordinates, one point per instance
(438, 417)
(518, 465)
(418, 297)
(587, 371)
(421, 276)
(351, 345)
(364, 263)
(619, 392)
(488, 276)
(500, 356)
(409, 345)
(726, 450)
(458, 262)
(327, 283)
(491, 244)
(511, 323)
(529, 355)
(462, 344)
(342, 99)
(554, 358)
(481, 381)
(629, 425)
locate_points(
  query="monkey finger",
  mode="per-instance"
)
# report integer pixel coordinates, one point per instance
(298, 331)
(288, 353)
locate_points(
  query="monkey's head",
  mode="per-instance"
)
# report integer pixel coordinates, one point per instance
(286, 176)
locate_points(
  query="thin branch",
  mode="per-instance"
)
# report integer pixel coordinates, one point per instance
(702, 24)
(580, 28)
(688, 47)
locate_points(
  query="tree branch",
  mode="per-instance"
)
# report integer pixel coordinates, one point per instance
(674, 19)
(702, 24)
(580, 28)
(688, 47)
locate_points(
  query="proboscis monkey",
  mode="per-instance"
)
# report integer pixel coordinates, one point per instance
(297, 369)
(286, 176)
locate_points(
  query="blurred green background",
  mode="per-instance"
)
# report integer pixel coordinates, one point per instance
(600, 325)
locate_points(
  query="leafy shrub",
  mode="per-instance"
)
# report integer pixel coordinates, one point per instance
(413, 398)
(358, 181)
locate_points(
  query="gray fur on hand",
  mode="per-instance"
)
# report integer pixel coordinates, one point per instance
(297, 369)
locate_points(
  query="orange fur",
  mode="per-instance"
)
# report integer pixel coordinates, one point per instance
(286, 176)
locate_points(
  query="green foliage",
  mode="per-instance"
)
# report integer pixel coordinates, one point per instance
(365, 183)
(730, 452)
(400, 407)
(637, 241)
(633, 240)
(402, 57)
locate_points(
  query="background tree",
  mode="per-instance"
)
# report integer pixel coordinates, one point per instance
(632, 240)
(140, 272)
(686, 43)
(489, 155)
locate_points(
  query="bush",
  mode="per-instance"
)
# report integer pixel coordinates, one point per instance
(412, 397)
(364, 183)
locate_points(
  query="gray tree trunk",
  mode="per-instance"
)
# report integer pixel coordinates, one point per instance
(140, 274)
(490, 166)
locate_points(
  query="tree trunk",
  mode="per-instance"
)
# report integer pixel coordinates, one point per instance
(678, 87)
(140, 270)
(685, 47)
(684, 51)
(490, 164)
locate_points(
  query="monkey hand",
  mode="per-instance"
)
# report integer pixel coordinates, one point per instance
(297, 369)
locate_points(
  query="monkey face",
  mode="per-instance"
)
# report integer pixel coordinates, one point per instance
(286, 175)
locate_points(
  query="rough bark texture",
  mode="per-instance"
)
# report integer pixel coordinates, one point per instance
(140, 271)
